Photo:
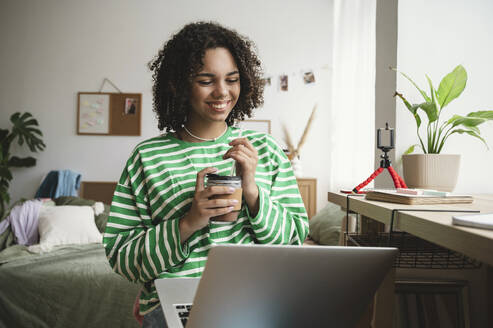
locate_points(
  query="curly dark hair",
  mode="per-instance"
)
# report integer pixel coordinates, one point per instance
(182, 57)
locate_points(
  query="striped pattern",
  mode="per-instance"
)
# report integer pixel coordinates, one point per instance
(142, 237)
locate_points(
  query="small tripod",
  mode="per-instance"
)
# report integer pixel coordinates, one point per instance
(384, 163)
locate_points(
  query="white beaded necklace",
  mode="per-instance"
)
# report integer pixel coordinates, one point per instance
(204, 139)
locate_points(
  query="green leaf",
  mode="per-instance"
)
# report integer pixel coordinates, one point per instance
(433, 92)
(410, 149)
(467, 121)
(412, 108)
(425, 96)
(475, 129)
(22, 162)
(486, 114)
(471, 133)
(3, 134)
(452, 85)
(431, 111)
(5, 173)
(24, 129)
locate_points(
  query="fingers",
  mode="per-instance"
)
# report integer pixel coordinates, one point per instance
(219, 211)
(220, 203)
(241, 145)
(199, 186)
(212, 207)
(242, 141)
(216, 190)
(240, 158)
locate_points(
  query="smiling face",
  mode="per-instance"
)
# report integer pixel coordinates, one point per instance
(215, 88)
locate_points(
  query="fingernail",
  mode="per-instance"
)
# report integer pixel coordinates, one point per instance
(231, 189)
(234, 201)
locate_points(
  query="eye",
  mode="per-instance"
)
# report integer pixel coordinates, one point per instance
(204, 82)
(232, 80)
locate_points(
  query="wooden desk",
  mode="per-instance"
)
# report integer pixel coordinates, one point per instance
(435, 227)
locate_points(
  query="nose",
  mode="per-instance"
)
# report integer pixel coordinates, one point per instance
(221, 90)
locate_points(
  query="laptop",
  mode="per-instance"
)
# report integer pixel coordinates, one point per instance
(277, 286)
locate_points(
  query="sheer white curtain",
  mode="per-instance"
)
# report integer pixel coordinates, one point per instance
(352, 119)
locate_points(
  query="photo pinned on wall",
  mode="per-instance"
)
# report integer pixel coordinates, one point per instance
(309, 77)
(283, 82)
(130, 106)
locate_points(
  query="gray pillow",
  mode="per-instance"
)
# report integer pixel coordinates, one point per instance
(325, 226)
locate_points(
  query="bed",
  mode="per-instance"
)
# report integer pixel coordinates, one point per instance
(65, 285)
(72, 285)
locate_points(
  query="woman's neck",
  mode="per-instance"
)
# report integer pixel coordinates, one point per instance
(202, 130)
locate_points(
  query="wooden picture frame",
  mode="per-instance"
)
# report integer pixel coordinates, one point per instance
(256, 125)
(104, 113)
(100, 191)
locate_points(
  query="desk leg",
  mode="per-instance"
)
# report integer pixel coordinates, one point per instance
(489, 288)
(370, 226)
(380, 312)
(383, 306)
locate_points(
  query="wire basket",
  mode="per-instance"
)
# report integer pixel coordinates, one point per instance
(414, 252)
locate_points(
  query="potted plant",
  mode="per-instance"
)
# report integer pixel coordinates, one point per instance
(24, 130)
(433, 169)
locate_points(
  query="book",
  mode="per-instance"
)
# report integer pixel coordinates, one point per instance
(392, 196)
(480, 220)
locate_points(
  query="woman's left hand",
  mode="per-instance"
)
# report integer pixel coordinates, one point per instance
(246, 157)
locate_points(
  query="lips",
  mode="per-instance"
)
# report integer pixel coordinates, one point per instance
(219, 106)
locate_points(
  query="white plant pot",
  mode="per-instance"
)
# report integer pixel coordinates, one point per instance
(431, 171)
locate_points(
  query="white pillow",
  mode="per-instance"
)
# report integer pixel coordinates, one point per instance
(61, 225)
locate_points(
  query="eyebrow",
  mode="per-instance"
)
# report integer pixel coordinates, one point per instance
(212, 75)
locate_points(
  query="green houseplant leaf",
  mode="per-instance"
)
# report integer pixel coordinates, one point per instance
(452, 86)
(461, 131)
(25, 130)
(22, 162)
(410, 150)
(414, 110)
(437, 131)
(425, 96)
(486, 114)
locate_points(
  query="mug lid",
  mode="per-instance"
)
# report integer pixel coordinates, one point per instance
(212, 176)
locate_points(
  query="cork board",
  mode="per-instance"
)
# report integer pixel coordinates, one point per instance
(103, 113)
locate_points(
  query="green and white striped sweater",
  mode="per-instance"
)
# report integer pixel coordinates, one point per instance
(156, 188)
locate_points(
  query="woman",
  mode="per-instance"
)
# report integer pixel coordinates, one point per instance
(163, 219)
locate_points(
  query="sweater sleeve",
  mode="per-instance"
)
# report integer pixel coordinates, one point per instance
(282, 217)
(135, 247)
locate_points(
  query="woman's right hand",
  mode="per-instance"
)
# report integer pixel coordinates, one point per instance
(203, 207)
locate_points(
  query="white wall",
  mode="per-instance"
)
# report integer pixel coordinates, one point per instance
(53, 49)
(434, 37)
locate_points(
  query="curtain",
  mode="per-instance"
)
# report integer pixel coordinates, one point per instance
(352, 119)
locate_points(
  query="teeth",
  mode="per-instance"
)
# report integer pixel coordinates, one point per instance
(219, 106)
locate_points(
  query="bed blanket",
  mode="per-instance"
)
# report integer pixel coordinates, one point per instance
(72, 286)
(23, 220)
